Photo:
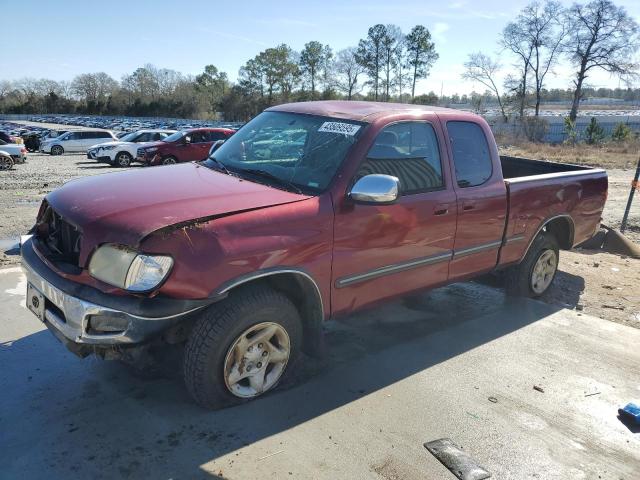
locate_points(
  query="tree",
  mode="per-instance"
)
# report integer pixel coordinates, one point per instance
(391, 38)
(213, 84)
(369, 54)
(594, 133)
(347, 70)
(311, 60)
(421, 54)
(602, 36)
(93, 87)
(514, 38)
(482, 68)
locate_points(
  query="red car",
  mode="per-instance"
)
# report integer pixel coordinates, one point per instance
(184, 146)
(309, 211)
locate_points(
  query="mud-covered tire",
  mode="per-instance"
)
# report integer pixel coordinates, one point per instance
(519, 279)
(122, 160)
(218, 329)
(57, 150)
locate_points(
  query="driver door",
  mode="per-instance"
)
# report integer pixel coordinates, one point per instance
(383, 251)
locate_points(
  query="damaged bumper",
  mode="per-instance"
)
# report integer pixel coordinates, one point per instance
(87, 320)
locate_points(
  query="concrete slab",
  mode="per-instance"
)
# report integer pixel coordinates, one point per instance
(396, 377)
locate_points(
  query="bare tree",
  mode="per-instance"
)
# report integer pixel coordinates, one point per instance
(482, 68)
(514, 38)
(348, 69)
(603, 36)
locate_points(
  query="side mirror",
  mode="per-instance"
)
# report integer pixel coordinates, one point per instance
(186, 139)
(375, 188)
(215, 146)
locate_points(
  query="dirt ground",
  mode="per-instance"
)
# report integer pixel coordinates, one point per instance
(592, 282)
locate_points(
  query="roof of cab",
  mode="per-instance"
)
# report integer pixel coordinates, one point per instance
(359, 111)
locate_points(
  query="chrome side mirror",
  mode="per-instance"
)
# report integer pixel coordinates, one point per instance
(215, 146)
(375, 188)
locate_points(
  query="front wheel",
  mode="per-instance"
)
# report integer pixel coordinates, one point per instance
(6, 162)
(57, 150)
(169, 161)
(242, 347)
(123, 159)
(535, 273)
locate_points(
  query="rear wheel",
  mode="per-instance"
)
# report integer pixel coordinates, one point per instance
(534, 275)
(169, 161)
(241, 348)
(6, 162)
(57, 150)
(123, 159)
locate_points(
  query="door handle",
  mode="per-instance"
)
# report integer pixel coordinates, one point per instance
(441, 209)
(468, 206)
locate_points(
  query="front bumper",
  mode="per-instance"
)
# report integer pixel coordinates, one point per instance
(70, 308)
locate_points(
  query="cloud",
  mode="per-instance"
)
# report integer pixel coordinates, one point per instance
(438, 32)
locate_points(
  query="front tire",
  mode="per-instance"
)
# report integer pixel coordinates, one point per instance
(57, 150)
(6, 162)
(533, 276)
(169, 161)
(242, 347)
(123, 160)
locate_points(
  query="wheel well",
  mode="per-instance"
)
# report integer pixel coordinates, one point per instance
(305, 295)
(562, 229)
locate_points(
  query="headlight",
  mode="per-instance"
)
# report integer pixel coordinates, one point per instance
(125, 268)
(151, 149)
(108, 147)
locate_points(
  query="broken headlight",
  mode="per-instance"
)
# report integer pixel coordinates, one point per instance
(125, 268)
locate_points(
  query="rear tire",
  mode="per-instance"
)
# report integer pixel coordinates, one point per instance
(220, 352)
(6, 162)
(123, 160)
(533, 276)
(57, 150)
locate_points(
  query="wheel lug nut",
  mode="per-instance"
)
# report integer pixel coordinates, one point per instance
(259, 365)
(264, 354)
(259, 345)
(248, 368)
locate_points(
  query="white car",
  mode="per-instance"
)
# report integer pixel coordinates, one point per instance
(17, 151)
(122, 152)
(76, 141)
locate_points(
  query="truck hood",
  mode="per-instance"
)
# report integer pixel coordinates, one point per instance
(127, 206)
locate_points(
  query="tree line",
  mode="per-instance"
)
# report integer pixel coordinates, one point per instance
(385, 65)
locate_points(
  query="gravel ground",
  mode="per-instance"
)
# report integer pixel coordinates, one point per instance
(597, 283)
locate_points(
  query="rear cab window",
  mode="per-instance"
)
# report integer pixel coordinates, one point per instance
(409, 151)
(471, 154)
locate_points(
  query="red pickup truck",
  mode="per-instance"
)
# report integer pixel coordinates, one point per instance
(185, 146)
(309, 211)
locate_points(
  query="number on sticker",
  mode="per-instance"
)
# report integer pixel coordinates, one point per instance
(339, 127)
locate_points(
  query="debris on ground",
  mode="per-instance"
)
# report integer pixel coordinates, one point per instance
(538, 389)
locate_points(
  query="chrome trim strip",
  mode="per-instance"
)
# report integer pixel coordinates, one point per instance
(515, 238)
(390, 269)
(549, 176)
(477, 249)
(268, 273)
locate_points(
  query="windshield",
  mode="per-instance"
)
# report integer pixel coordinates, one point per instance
(129, 137)
(173, 137)
(301, 150)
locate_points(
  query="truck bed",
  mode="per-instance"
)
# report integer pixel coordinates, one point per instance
(539, 191)
(515, 167)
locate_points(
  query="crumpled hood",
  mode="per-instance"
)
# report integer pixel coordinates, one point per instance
(127, 206)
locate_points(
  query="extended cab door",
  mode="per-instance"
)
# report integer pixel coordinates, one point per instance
(481, 197)
(382, 251)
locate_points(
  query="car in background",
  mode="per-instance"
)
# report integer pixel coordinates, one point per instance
(17, 151)
(186, 146)
(78, 141)
(5, 137)
(122, 152)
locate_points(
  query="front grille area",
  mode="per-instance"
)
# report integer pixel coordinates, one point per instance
(60, 240)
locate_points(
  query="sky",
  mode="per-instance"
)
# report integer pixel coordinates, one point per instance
(116, 37)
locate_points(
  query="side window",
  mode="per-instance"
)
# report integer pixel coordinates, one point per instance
(408, 151)
(72, 136)
(471, 155)
(143, 137)
(214, 136)
(157, 136)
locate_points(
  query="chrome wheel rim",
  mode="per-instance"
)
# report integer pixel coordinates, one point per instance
(123, 160)
(56, 151)
(543, 271)
(169, 161)
(5, 163)
(256, 360)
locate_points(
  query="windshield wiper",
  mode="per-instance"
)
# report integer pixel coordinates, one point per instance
(221, 166)
(268, 175)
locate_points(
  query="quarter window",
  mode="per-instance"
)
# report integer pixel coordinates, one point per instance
(408, 151)
(471, 155)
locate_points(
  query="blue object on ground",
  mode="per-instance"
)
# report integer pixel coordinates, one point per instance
(631, 411)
